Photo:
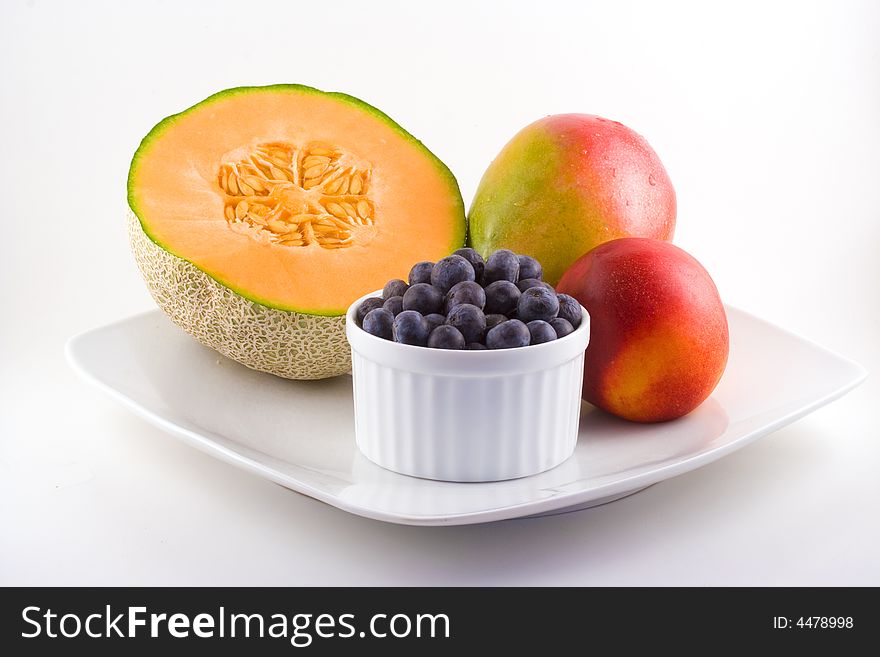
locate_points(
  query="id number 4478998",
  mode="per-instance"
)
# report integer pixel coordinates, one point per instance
(813, 623)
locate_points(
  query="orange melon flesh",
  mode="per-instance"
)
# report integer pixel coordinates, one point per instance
(329, 255)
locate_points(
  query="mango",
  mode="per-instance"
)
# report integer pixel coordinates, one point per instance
(565, 184)
(659, 339)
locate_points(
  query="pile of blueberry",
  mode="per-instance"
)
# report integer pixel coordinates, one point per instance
(464, 302)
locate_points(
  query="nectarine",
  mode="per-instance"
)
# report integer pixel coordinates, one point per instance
(659, 337)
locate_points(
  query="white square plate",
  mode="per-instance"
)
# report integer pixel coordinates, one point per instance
(300, 434)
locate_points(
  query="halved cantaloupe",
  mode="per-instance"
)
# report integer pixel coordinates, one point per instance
(261, 213)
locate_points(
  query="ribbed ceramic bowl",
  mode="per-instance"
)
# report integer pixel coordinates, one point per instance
(466, 415)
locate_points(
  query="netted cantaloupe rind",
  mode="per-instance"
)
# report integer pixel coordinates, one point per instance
(285, 343)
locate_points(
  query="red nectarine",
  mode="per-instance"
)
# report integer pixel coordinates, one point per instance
(659, 338)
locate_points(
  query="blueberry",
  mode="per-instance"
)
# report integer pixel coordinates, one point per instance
(501, 297)
(410, 327)
(570, 309)
(394, 288)
(451, 270)
(503, 265)
(537, 303)
(476, 261)
(529, 267)
(421, 272)
(366, 306)
(540, 331)
(434, 320)
(494, 320)
(378, 322)
(468, 319)
(423, 297)
(446, 337)
(507, 335)
(526, 283)
(466, 292)
(562, 327)
(475, 346)
(393, 305)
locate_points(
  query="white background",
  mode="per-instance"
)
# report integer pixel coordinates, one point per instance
(766, 115)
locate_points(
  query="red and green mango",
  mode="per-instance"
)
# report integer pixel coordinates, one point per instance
(567, 183)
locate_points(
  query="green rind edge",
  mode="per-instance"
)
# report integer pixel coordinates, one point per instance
(168, 121)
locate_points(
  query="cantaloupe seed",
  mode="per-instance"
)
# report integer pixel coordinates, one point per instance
(277, 190)
(289, 344)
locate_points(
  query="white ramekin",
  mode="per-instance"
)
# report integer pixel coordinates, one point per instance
(466, 415)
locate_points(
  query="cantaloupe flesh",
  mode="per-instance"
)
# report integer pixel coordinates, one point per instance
(174, 191)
